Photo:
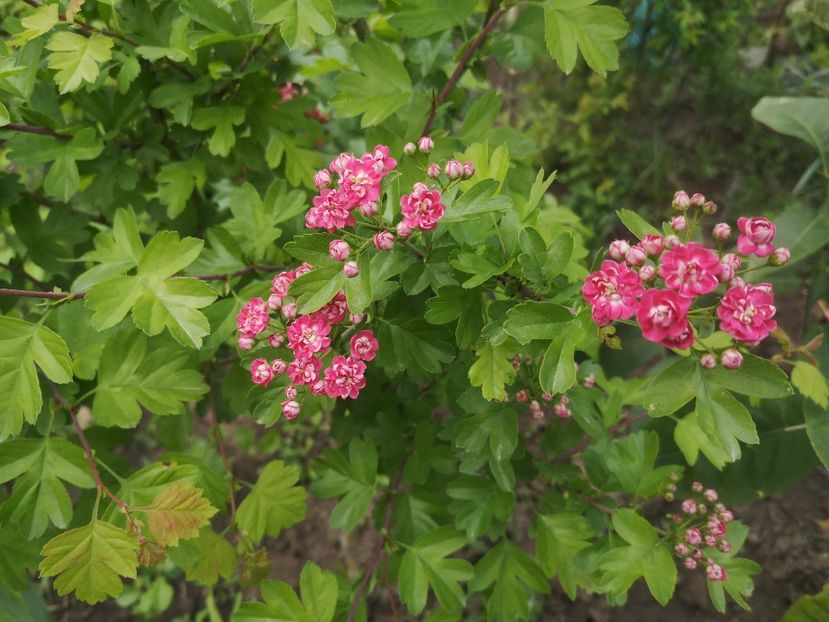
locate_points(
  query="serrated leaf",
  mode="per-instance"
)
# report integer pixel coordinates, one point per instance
(492, 370)
(176, 183)
(421, 18)
(536, 320)
(274, 503)
(476, 502)
(24, 348)
(90, 561)
(353, 479)
(315, 289)
(177, 513)
(672, 388)
(36, 24)
(206, 558)
(560, 537)
(808, 379)
(17, 557)
(221, 120)
(757, 377)
(298, 20)
(76, 58)
(318, 588)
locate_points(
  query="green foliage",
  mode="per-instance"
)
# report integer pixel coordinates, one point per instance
(274, 503)
(318, 589)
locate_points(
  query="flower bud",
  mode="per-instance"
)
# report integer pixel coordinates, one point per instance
(383, 241)
(245, 342)
(721, 231)
(322, 178)
(726, 275)
(351, 269)
(669, 497)
(403, 230)
(708, 361)
(724, 546)
(521, 397)
(357, 318)
(678, 223)
(709, 207)
(652, 244)
(689, 506)
(290, 392)
(647, 273)
(697, 199)
(425, 144)
(339, 250)
(290, 409)
(732, 260)
(274, 302)
(710, 541)
(715, 572)
(278, 366)
(780, 256)
(409, 148)
(710, 494)
(468, 170)
(433, 170)
(617, 249)
(276, 340)
(671, 241)
(454, 169)
(681, 549)
(689, 563)
(681, 201)
(289, 311)
(547, 397)
(534, 405)
(697, 486)
(369, 209)
(635, 256)
(731, 359)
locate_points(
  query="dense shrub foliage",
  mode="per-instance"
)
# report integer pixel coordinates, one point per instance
(262, 252)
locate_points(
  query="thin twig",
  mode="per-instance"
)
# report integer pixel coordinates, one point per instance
(35, 129)
(378, 548)
(461, 68)
(220, 444)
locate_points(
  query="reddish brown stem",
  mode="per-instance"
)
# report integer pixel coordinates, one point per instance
(461, 68)
(378, 548)
(35, 129)
(90, 459)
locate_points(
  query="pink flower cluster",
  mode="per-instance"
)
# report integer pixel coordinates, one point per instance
(357, 187)
(309, 339)
(657, 281)
(700, 526)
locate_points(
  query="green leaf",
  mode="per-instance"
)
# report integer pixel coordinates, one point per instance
(492, 371)
(358, 291)
(806, 118)
(17, 557)
(725, 420)
(421, 18)
(411, 348)
(36, 24)
(456, 303)
(817, 428)
(559, 539)
(156, 300)
(116, 251)
(571, 25)
(144, 485)
(536, 320)
(482, 198)
(315, 289)
(274, 503)
(206, 558)
(637, 225)
(39, 496)
(382, 87)
(809, 608)
(515, 576)
(672, 388)
(557, 372)
(24, 348)
(176, 183)
(808, 379)
(319, 591)
(129, 378)
(353, 480)
(254, 221)
(298, 19)
(90, 561)
(76, 58)
(757, 377)
(221, 120)
(476, 502)
(425, 565)
(481, 115)
(177, 513)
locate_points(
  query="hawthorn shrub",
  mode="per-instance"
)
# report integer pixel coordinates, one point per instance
(293, 232)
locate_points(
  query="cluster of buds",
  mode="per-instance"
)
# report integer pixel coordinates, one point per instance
(300, 346)
(560, 405)
(658, 281)
(699, 529)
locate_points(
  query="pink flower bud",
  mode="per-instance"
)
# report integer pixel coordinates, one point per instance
(290, 392)
(735, 261)
(726, 275)
(635, 256)
(245, 342)
(780, 256)
(697, 487)
(647, 273)
(697, 199)
(278, 366)
(716, 527)
(425, 144)
(710, 494)
(710, 541)
(274, 302)
(681, 200)
(678, 223)
(454, 169)
(689, 506)
(409, 148)
(618, 249)
(697, 555)
(322, 178)
(547, 397)
(276, 340)
(716, 573)
(589, 381)
(724, 546)
(671, 241)
(652, 244)
(383, 241)
(708, 361)
(521, 397)
(339, 250)
(721, 231)
(289, 310)
(433, 170)
(534, 405)
(261, 372)
(689, 563)
(731, 359)
(561, 411)
(351, 269)
(290, 409)
(288, 91)
(681, 549)
(403, 230)
(738, 281)
(726, 516)
(702, 509)
(369, 209)
(357, 318)
(709, 207)
(468, 170)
